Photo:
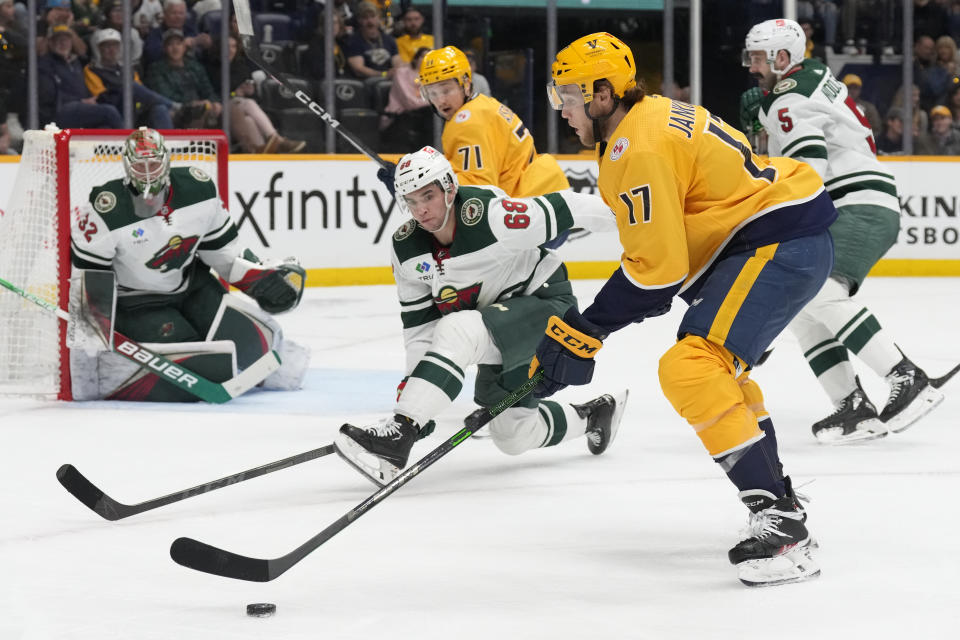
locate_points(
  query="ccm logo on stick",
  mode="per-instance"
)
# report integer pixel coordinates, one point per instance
(157, 364)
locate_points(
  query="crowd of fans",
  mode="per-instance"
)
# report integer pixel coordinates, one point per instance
(833, 28)
(176, 53)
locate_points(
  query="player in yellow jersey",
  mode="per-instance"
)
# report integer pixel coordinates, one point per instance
(485, 141)
(744, 241)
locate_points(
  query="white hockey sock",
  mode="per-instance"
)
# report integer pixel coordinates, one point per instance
(521, 429)
(826, 356)
(459, 340)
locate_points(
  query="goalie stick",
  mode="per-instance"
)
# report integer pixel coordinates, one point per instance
(194, 554)
(109, 509)
(252, 49)
(171, 372)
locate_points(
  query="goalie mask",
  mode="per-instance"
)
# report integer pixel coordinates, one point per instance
(421, 169)
(770, 37)
(146, 162)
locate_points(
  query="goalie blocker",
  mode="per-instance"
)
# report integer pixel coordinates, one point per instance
(239, 334)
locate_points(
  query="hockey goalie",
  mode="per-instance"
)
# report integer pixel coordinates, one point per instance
(159, 231)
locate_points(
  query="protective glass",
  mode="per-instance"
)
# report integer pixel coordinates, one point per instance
(564, 96)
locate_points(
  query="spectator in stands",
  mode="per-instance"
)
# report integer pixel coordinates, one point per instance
(920, 120)
(203, 7)
(113, 19)
(854, 88)
(315, 67)
(148, 16)
(250, 125)
(932, 78)
(407, 119)
(86, 17)
(63, 96)
(13, 60)
(182, 79)
(953, 101)
(891, 142)
(174, 17)
(945, 138)
(480, 83)
(816, 51)
(929, 19)
(413, 37)
(826, 12)
(104, 80)
(947, 55)
(372, 55)
(5, 142)
(58, 12)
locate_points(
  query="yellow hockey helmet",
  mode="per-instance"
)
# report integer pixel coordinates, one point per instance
(593, 57)
(448, 63)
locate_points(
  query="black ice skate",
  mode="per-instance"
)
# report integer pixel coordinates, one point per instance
(603, 420)
(911, 396)
(379, 452)
(855, 420)
(776, 547)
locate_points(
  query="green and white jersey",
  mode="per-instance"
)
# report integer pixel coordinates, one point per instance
(809, 116)
(495, 255)
(154, 254)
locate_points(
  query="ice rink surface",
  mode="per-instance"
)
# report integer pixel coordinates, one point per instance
(555, 543)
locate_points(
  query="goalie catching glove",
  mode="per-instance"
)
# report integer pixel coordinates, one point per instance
(566, 352)
(277, 287)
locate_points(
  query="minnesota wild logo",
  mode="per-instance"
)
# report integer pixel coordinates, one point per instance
(451, 299)
(174, 255)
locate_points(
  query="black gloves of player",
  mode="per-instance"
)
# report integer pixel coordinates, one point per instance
(273, 293)
(566, 352)
(386, 176)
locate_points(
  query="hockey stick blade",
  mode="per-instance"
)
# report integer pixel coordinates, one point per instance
(936, 383)
(200, 556)
(109, 509)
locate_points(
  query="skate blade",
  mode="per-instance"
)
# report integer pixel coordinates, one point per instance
(924, 403)
(866, 431)
(797, 565)
(378, 471)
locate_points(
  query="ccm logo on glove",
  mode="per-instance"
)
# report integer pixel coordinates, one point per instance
(578, 342)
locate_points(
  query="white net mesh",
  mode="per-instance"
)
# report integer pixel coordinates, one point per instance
(30, 241)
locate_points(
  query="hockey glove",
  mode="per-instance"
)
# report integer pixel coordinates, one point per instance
(750, 110)
(387, 175)
(275, 287)
(566, 352)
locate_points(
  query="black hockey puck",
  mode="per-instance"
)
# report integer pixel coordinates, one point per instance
(261, 609)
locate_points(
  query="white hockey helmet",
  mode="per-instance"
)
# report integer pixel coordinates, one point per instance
(420, 169)
(773, 35)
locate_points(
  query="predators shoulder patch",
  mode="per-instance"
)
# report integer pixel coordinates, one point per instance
(472, 211)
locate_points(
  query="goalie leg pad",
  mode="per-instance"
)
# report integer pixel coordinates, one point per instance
(253, 331)
(294, 362)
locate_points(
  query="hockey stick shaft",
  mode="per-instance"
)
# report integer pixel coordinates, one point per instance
(109, 509)
(250, 46)
(173, 373)
(200, 556)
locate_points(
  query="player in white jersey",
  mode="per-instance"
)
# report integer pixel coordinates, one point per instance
(475, 287)
(808, 116)
(159, 230)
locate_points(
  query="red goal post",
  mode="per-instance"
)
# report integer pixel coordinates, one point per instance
(35, 239)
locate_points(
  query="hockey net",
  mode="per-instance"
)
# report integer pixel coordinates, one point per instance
(35, 240)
